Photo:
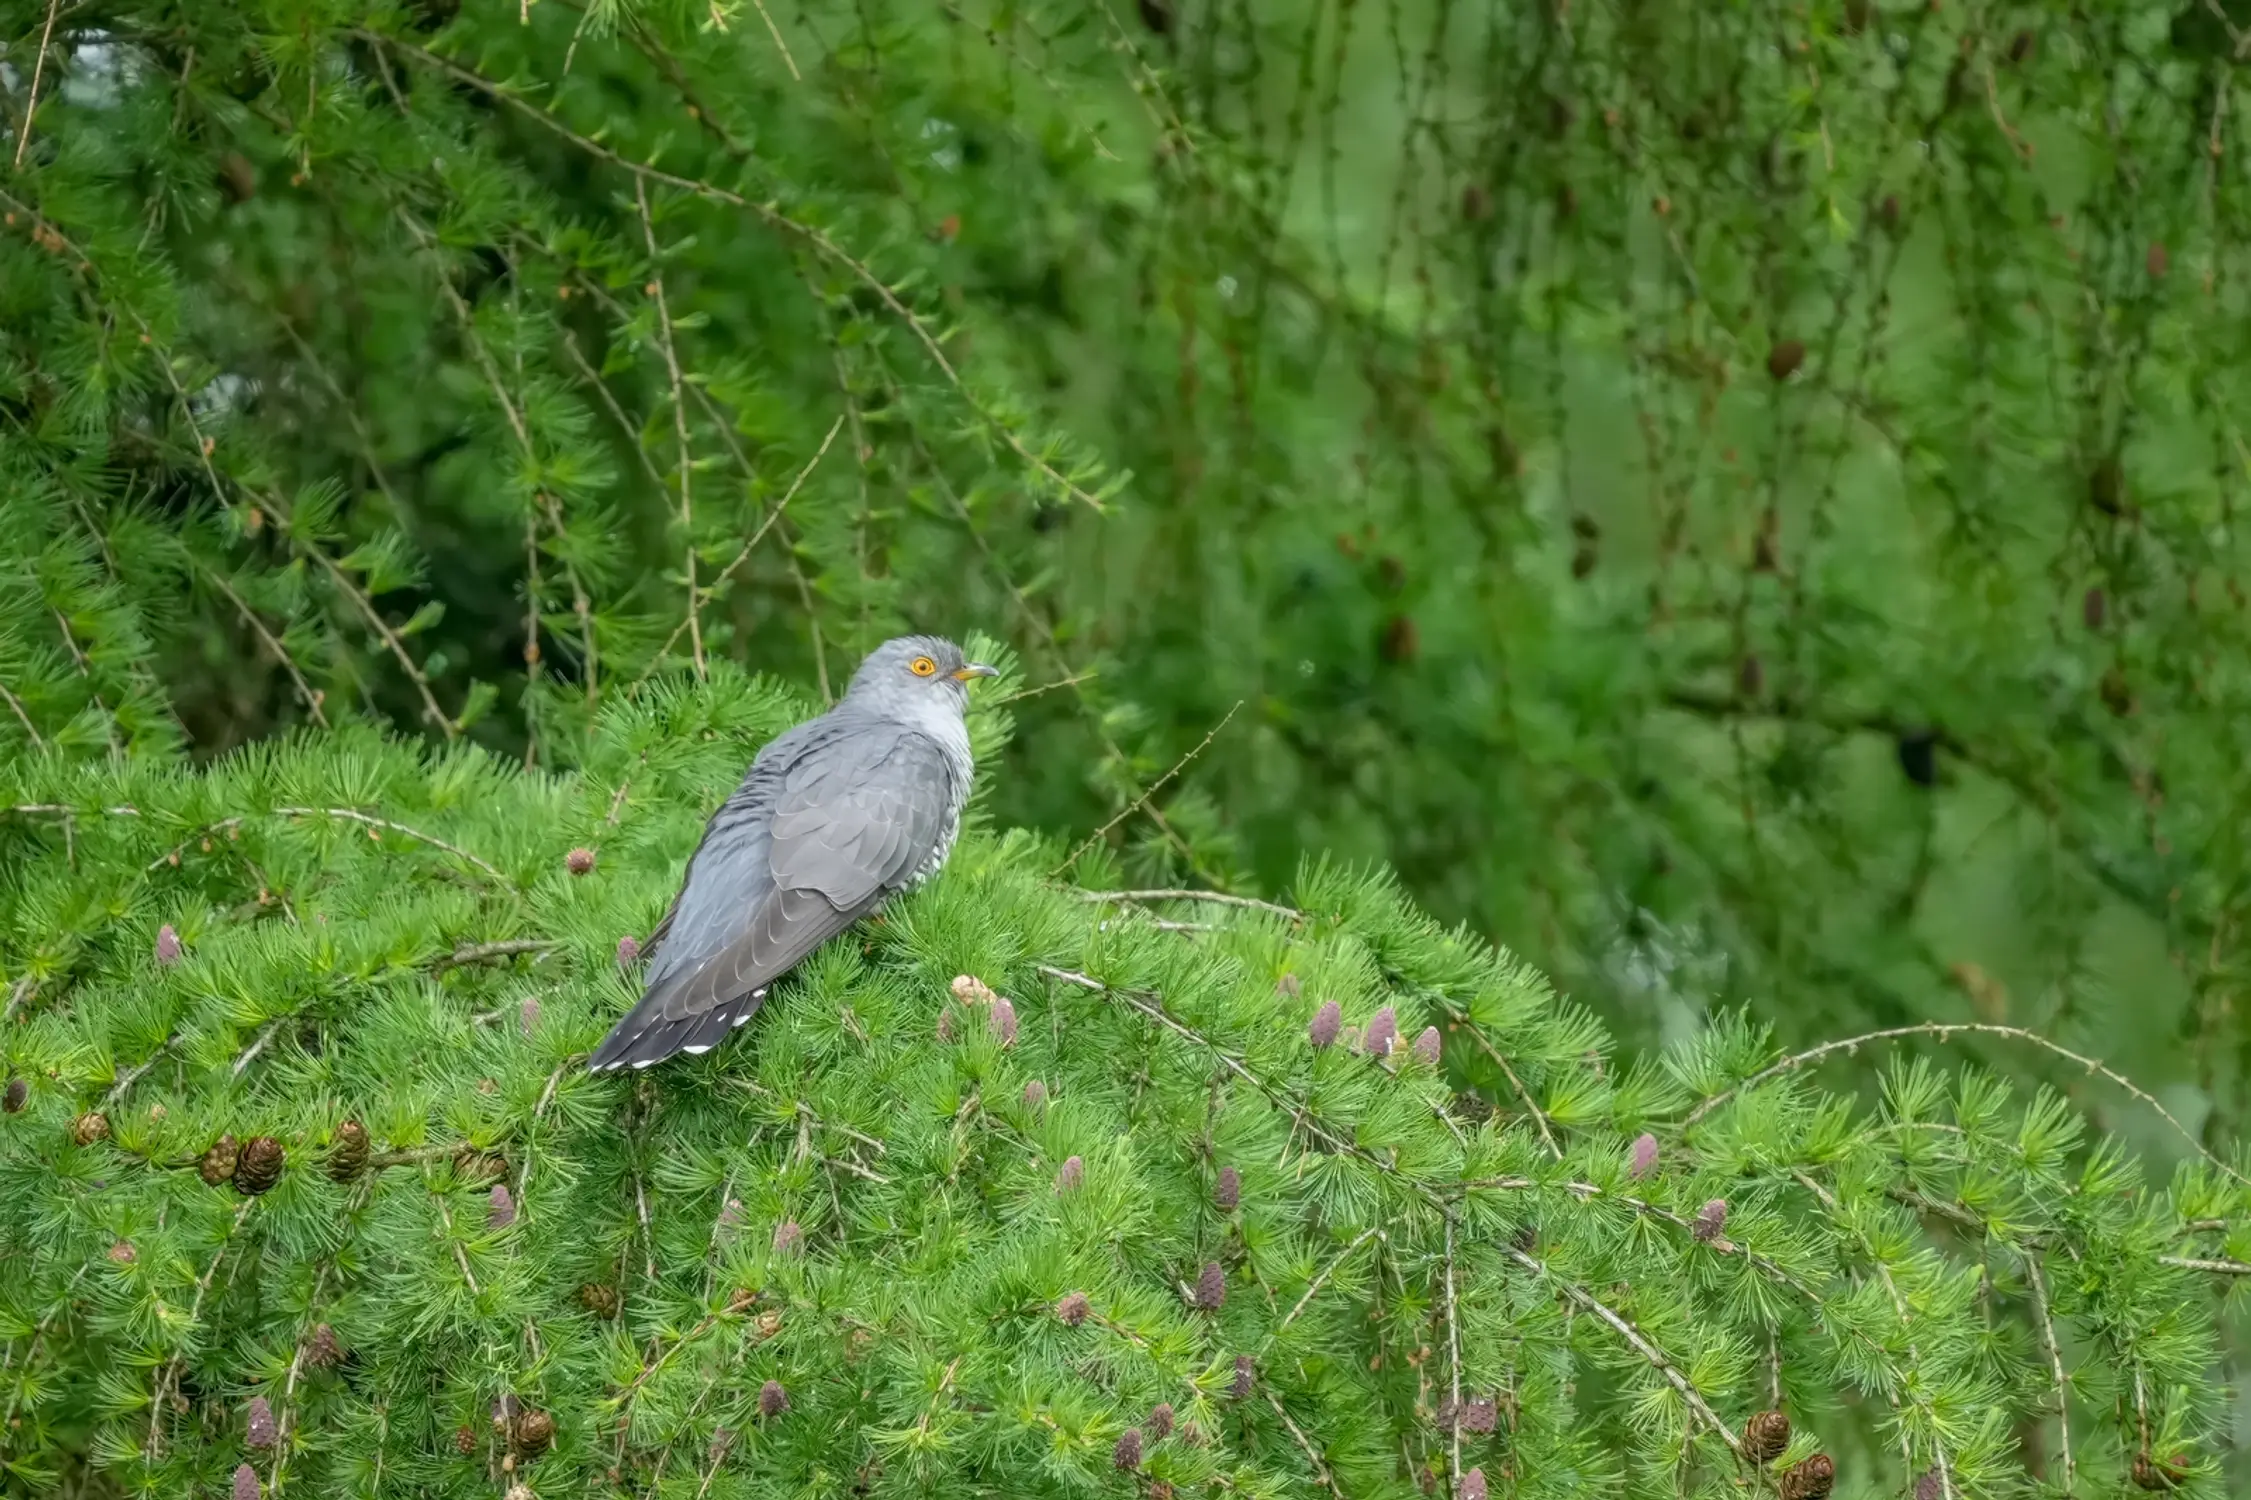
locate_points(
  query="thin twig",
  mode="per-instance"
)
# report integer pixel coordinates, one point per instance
(375, 822)
(1523, 1094)
(1217, 898)
(38, 71)
(1453, 1368)
(16, 704)
(779, 45)
(117, 1090)
(1305, 1445)
(679, 419)
(774, 218)
(2055, 1364)
(1335, 1262)
(1945, 1031)
(1587, 1302)
(485, 953)
(773, 517)
(1156, 786)
(2192, 1263)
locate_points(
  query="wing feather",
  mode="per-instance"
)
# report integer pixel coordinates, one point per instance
(854, 817)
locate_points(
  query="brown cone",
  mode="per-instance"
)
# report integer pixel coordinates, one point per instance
(1765, 1436)
(259, 1166)
(89, 1128)
(534, 1433)
(1809, 1480)
(598, 1299)
(348, 1157)
(219, 1162)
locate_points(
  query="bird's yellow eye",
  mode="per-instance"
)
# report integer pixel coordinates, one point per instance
(922, 666)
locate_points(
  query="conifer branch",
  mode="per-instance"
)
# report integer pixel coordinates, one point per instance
(170, 1374)
(2041, 1310)
(1217, 898)
(249, 616)
(1305, 1445)
(771, 520)
(370, 821)
(1150, 791)
(38, 72)
(1635, 1339)
(485, 953)
(1335, 1262)
(1523, 1094)
(773, 217)
(16, 705)
(1945, 1031)
(679, 420)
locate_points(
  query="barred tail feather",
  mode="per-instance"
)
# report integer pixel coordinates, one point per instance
(647, 1036)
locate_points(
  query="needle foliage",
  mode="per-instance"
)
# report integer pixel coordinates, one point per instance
(309, 1192)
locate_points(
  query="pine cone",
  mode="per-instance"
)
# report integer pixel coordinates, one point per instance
(1073, 1309)
(1644, 1158)
(19, 1092)
(1429, 1047)
(1211, 1287)
(321, 1350)
(219, 1162)
(1127, 1455)
(579, 861)
(1765, 1436)
(1035, 1095)
(259, 1429)
(89, 1128)
(789, 1239)
(259, 1166)
(1244, 1375)
(1072, 1174)
(1159, 1421)
(167, 945)
(598, 1299)
(500, 1212)
(1710, 1220)
(1228, 1191)
(245, 1483)
(464, 1439)
(1322, 1030)
(534, 1433)
(1810, 1480)
(348, 1157)
(1003, 1022)
(1931, 1485)
(1383, 1033)
(1472, 1487)
(1480, 1414)
(773, 1401)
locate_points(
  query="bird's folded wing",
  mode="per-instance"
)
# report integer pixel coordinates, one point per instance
(853, 819)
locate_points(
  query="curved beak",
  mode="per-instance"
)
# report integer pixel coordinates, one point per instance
(975, 669)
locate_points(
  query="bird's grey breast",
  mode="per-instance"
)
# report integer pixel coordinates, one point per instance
(960, 776)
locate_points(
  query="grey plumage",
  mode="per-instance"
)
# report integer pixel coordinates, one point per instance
(833, 819)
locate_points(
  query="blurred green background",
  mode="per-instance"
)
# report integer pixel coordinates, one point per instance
(1735, 501)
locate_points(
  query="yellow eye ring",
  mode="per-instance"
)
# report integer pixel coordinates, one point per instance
(922, 666)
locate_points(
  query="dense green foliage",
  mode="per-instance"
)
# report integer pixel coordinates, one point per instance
(862, 1201)
(1736, 502)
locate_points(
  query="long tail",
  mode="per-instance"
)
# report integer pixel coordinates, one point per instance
(646, 1037)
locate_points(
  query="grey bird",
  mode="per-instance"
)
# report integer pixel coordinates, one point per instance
(833, 819)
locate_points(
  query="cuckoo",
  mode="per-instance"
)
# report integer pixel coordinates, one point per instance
(833, 819)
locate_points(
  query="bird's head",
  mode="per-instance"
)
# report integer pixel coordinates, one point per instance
(913, 674)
